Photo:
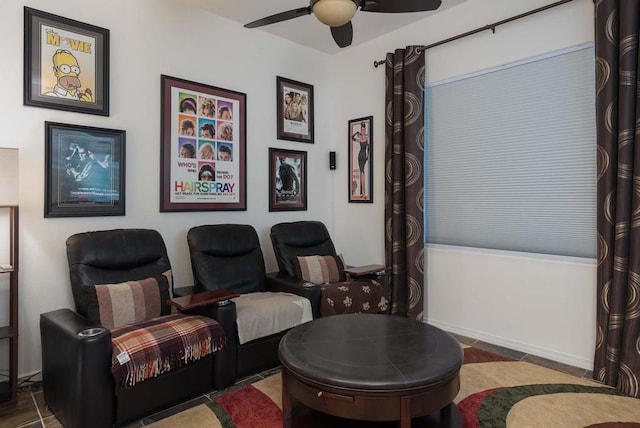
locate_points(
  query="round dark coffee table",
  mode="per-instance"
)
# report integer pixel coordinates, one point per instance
(371, 368)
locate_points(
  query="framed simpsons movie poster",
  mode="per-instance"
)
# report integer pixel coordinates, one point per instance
(66, 64)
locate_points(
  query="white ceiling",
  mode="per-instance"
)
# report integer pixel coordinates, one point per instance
(307, 30)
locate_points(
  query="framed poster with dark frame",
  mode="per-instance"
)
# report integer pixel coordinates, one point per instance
(203, 156)
(295, 110)
(66, 64)
(361, 160)
(287, 180)
(84, 171)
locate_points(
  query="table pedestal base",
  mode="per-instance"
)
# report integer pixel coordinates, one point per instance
(371, 407)
(449, 417)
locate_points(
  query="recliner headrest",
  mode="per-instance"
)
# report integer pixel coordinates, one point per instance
(231, 239)
(301, 238)
(226, 256)
(112, 257)
(301, 233)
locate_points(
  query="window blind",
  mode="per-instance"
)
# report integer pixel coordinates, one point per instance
(510, 157)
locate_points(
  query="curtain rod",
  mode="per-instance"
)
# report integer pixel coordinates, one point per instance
(491, 27)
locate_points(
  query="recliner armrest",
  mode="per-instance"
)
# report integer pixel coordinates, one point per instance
(384, 279)
(76, 369)
(224, 361)
(277, 281)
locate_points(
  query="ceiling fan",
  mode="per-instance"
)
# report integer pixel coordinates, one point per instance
(338, 13)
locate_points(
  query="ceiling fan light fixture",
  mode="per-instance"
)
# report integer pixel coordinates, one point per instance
(334, 13)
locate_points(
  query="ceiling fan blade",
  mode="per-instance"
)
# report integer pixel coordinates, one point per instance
(279, 17)
(399, 6)
(343, 35)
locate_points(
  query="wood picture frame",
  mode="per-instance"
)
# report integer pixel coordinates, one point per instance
(66, 64)
(295, 114)
(84, 171)
(203, 156)
(360, 137)
(287, 180)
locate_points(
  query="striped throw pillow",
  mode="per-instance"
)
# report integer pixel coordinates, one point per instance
(320, 269)
(115, 305)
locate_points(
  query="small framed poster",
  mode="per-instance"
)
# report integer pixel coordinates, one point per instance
(287, 180)
(360, 139)
(294, 110)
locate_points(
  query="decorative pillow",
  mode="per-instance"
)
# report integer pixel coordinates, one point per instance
(320, 269)
(115, 305)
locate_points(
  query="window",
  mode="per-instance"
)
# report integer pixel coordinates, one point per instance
(511, 157)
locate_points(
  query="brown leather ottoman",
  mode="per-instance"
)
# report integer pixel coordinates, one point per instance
(371, 368)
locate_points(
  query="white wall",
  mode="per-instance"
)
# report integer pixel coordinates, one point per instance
(542, 306)
(150, 38)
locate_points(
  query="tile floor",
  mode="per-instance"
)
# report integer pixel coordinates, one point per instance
(31, 412)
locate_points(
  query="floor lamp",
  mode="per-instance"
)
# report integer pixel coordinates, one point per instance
(9, 324)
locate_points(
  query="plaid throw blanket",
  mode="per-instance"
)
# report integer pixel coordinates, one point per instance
(159, 345)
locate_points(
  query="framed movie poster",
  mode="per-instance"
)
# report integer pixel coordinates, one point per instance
(66, 64)
(84, 171)
(361, 160)
(294, 110)
(287, 180)
(204, 147)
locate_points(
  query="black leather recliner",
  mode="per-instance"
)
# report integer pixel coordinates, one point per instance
(78, 384)
(300, 239)
(228, 257)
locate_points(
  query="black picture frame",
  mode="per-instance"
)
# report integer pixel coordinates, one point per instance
(84, 171)
(66, 64)
(287, 180)
(295, 114)
(203, 166)
(360, 157)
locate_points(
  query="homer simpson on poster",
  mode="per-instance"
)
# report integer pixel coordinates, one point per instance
(67, 64)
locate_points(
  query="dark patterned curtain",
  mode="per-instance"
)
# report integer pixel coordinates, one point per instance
(404, 184)
(617, 355)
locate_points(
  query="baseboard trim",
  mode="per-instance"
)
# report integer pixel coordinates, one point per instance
(572, 360)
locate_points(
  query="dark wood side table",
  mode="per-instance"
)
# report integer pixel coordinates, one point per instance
(365, 270)
(205, 298)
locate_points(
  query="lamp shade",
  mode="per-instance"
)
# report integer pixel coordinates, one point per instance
(334, 13)
(8, 176)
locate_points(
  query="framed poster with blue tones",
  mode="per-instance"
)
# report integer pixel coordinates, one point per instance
(84, 171)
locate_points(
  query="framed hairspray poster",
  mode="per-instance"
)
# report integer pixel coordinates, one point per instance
(203, 153)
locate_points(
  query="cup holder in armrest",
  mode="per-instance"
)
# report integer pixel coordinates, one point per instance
(91, 332)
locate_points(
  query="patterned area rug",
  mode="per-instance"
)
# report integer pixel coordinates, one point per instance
(496, 391)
